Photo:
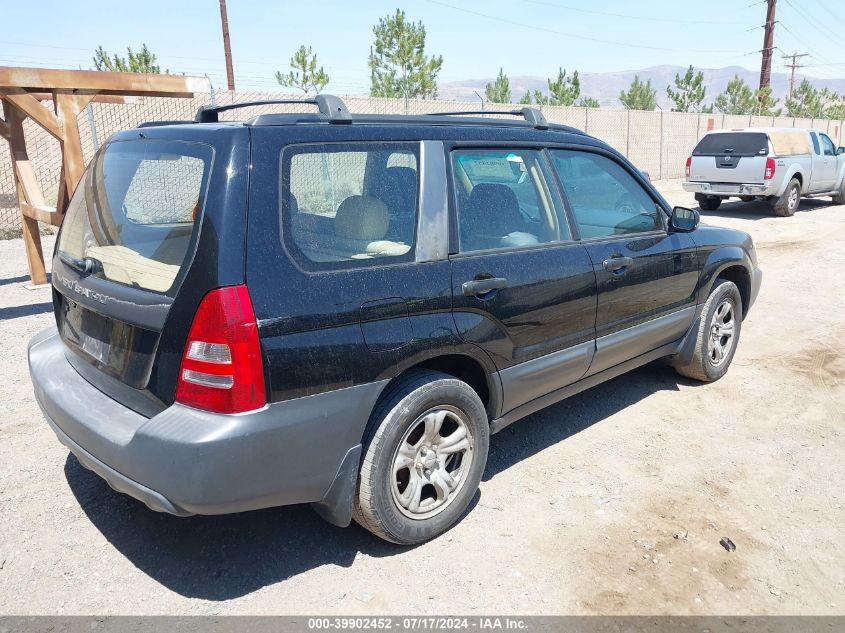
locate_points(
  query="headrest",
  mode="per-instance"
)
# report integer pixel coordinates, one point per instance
(495, 207)
(361, 218)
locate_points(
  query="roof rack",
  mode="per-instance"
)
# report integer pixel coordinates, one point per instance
(532, 115)
(329, 106)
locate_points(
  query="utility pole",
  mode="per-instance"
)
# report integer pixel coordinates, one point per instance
(768, 44)
(792, 68)
(227, 49)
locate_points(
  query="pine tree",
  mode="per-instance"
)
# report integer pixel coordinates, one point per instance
(525, 99)
(805, 102)
(563, 91)
(304, 73)
(765, 102)
(589, 102)
(738, 98)
(640, 96)
(499, 91)
(399, 66)
(140, 62)
(689, 91)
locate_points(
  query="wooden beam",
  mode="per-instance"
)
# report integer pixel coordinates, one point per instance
(48, 96)
(32, 108)
(68, 107)
(100, 82)
(43, 213)
(28, 194)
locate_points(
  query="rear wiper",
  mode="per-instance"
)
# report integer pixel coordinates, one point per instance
(86, 265)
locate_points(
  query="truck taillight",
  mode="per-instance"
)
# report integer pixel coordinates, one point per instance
(689, 162)
(770, 169)
(221, 369)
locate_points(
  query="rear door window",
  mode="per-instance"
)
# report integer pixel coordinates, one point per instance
(348, 205)
(734, 143)
(133, 218)
(504, 200)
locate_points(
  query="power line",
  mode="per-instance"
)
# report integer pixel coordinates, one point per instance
(627, 16)
(575, 35)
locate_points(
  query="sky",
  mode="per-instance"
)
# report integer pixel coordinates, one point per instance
(475, 37)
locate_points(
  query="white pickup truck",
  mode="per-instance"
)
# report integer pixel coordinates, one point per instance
(777, 164)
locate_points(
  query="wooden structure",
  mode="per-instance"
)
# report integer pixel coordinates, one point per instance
(21, 93)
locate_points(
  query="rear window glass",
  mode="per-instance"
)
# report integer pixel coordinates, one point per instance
(349, 204)
(737, 144)
(132, 219)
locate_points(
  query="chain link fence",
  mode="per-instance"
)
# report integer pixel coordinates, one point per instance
(657, 142)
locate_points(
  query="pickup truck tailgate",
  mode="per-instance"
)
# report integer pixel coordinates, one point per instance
(730, 157)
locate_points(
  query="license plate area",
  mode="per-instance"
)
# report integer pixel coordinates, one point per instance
(117, 348)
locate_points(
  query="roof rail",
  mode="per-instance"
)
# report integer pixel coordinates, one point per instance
(532, 115)
(329, 106)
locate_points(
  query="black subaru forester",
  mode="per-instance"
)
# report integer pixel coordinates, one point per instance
(340, 310)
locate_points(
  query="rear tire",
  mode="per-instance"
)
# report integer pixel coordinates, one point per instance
(787, 204)
(718, 334)
(710, 203)
(425, 458)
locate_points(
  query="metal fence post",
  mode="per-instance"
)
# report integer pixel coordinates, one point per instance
(587, 119)
(94, 142)
(660, 163)
(628, 133)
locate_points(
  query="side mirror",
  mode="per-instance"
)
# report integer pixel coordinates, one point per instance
(684, 220)
(646, 175)
(840, 150)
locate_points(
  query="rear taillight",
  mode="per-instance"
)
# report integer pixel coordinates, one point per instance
(222, 370)
(770, 169)
(689, 162)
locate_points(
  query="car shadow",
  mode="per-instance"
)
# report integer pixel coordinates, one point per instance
(573, 415)
(29, 309)
(759, 209)
(225, 557)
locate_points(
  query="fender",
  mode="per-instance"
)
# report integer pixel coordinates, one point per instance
(716, 262)
(841, 176)
(791, 171)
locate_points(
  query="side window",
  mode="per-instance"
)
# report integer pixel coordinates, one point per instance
(349, 204)
(503, 200)
(827, 145)
(605, 199)
(816, 147)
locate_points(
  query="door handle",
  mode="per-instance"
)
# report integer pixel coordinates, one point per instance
(478, 287)
(618, 265)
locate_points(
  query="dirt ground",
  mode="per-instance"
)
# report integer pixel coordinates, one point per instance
(611, 502)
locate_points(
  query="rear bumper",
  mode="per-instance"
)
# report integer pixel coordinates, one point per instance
(184, 461)
(728, 190)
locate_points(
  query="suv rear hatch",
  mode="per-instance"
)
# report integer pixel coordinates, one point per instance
(730, 157)
(124, 249)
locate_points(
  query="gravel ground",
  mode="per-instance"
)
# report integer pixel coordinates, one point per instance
(611, 502)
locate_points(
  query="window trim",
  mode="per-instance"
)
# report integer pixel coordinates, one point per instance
(285, 236)
(638, 178)
(548, 178)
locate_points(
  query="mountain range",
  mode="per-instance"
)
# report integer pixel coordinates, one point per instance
(605, 87)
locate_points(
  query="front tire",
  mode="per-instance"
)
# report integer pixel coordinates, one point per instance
(718, 334)
(787, 204)
(839, 196)
(425, 458)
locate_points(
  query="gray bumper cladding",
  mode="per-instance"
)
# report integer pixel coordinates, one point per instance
(184, 461)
